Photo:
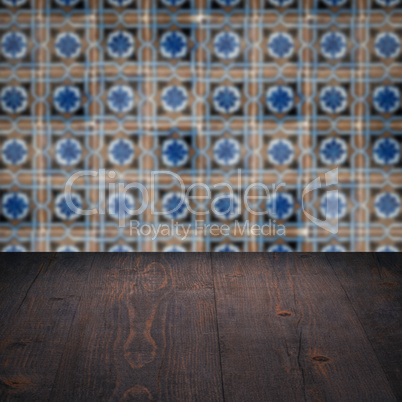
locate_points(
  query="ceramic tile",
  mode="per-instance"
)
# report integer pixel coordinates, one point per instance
(280, 93)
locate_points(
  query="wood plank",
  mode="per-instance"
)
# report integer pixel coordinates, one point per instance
(373, 283)
(17, 274)
(288, 332)
(32, 342)
(145, 330)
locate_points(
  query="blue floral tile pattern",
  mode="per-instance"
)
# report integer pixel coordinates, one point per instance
(280, 152)
(175, 152)
(121, 152)
(227, 152)
(387, 45)
(265, 125)
(120, 99)
(333, 99)
(15, 206)
(227, 99)
(226, 206)
(121, 206)
(67, 209)
(14, 3)
(120, 44)
(227, 45)
(333, 151)
(120, 3)
(280, 45)
(280, 248)
(174, 206)
(15, 249)
(227, 248)
(68, 45)
(67, 99)
(334, 45)
(67, 3)
(387, 99)
(280, 99)
(386, 151)
(280, 206)
(14, 99)
(334, 205)
(14, 152)
(14, 45)
(173, 45)
(387, 205)
(68, 151)
(174, 98)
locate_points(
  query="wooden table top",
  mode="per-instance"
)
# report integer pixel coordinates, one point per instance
(207, 327)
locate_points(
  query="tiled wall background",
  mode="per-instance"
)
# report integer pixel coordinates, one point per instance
(285, 90)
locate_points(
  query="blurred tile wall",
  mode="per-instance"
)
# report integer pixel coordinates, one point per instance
(239, 92)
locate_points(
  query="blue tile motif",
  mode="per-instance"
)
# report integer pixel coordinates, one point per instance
(120, 98)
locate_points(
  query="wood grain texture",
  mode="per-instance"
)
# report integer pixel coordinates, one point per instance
(16, 278)
(288, 332)
(207, 327)
(31, 345)
(145, 329)
(373, 283)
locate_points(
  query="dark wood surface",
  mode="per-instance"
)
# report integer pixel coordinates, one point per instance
(206, 327)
